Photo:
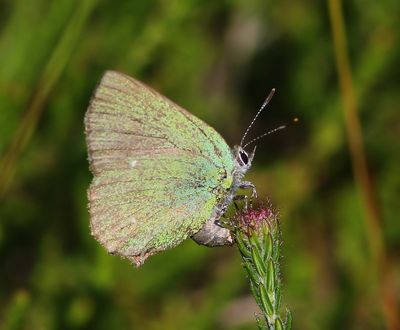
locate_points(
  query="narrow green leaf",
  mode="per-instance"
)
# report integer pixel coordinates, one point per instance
(260, 324)
(277, 303)
(266, 302)
(242, 246)
(270, 276)
(255, 293)
(278, 324)
(251, 272)
(288, 320)
(258, 262)
(265, 229)
(276, 244)
(268, 245)
(253, 239)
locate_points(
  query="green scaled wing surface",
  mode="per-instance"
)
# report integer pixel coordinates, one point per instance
(158, 170)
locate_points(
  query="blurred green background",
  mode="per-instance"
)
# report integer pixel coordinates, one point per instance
(218, 59)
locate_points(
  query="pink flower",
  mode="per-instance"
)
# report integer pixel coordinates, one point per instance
(255, 218)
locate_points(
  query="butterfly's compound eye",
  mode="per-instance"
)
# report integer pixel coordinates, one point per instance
(243, 157)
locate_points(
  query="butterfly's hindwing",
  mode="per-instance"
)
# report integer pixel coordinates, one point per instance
(158, 170)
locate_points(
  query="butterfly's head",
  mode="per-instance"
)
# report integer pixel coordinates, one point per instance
(243, 159)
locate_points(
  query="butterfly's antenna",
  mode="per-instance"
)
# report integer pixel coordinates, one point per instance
(269, 97)
(294, 120)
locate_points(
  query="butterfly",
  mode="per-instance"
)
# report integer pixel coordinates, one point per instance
(160, 174)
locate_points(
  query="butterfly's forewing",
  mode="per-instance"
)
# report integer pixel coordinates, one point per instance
(158, 170)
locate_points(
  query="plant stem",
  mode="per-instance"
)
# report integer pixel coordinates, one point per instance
(372, 221)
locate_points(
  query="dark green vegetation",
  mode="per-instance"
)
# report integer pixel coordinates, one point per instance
(218, 59)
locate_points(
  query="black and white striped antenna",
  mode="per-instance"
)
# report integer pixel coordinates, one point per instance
(267, 100)
(294, 120)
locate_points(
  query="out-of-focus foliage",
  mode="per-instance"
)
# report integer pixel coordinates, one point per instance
(218, 59)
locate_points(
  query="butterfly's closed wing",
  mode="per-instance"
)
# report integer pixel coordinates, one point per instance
(158, 170)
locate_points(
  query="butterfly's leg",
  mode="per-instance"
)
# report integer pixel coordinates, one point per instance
(249, 185)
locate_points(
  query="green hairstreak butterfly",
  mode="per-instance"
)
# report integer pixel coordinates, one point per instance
(161, 175)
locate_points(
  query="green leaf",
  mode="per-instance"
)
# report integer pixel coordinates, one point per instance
(251, 272)
(277, 302)
(270, 276)
(288, 320)
(278, 324)
(276, 241)
(242, 246)
(268, 245)
(266, 302)
(258, 261)
(253, 238)
(260, 324)
(255, 293)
